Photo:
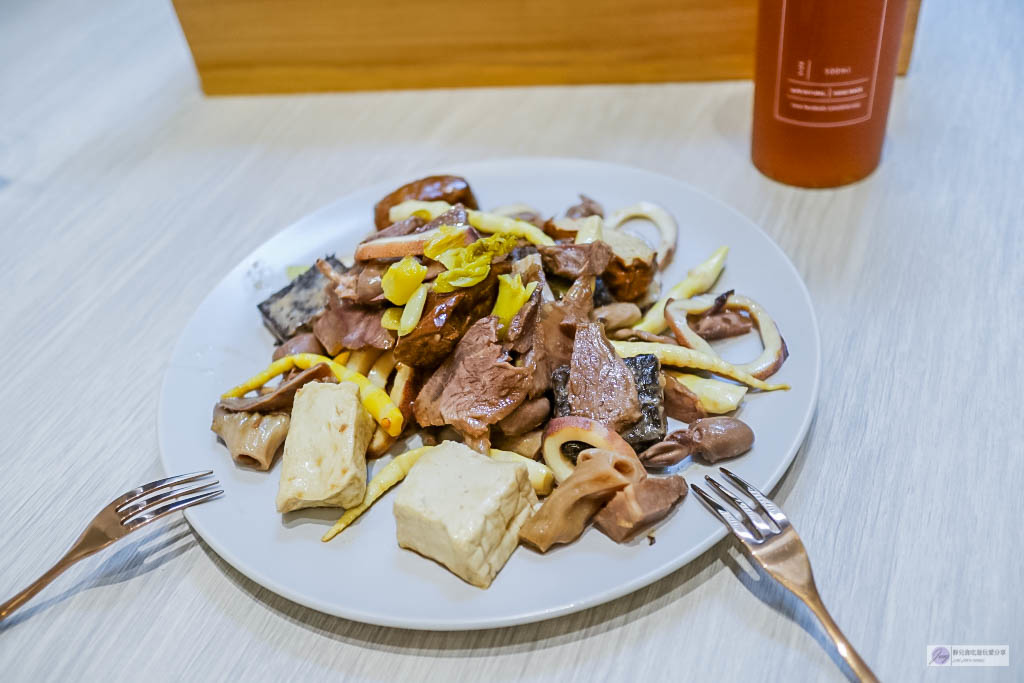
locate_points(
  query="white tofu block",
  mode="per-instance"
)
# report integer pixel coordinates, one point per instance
(464, 510)
(324, 463)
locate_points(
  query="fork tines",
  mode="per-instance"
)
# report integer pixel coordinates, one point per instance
(749, 527)
(156, 499)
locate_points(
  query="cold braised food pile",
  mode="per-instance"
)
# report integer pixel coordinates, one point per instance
(538, 359)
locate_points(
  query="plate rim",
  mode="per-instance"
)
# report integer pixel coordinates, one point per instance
(480, 623)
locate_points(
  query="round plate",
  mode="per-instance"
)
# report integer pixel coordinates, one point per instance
(363, 574)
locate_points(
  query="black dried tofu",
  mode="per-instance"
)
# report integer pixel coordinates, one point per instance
(651, 427)
(293, 307)
(560, 390)
(602, 295)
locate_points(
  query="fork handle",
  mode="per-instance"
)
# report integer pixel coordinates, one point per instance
(39, 584)
(843, 646)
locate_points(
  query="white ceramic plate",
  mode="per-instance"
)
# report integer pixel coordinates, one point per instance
(363, 574)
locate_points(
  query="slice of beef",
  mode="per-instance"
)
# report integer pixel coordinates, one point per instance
(346, 325)
(721, 324)
(475, 387)
(368, 286)
(573, 260)
(649, 428)
(455, 216)
(409, 226)
(630, 334)
(639, 505)
(282, 396)
(446, 317)
(681, 403)
(601, 386)
(251, 438)
(300, 343)
(586, 207)
(448, 188)
(359, 284)
(528, 416)
(292, 308)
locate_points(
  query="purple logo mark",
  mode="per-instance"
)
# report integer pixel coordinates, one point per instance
(940, 656)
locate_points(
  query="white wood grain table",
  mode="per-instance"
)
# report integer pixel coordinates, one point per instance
(125, 195)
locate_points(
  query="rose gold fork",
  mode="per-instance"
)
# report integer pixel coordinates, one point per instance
(777, 547)
(134, 510)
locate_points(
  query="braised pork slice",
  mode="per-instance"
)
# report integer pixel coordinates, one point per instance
(446, 317)
(347, 325)
(282, 396)
(638, 506)
(475, 387)
(251, 438)
(601, 387)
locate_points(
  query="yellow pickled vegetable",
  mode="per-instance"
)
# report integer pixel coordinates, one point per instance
(698, 281)
(413, 310)
(465, 276)
(392, 473)
(715, 396)
(682, 357)
(374, 399)
(511, 297)
(449, 237)
(401, 279)
(469, 265)
(392, 319)
(541, 476)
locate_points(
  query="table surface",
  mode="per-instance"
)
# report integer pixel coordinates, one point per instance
(125, 195)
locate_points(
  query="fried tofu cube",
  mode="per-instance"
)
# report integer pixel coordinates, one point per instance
(324, 463)
(464, 510)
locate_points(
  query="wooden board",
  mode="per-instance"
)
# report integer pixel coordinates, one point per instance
(274, 46)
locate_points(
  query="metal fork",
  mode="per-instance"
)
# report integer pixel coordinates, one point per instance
(133, 510)
(772, 542)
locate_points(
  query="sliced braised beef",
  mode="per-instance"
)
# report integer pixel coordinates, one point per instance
(300, 343)
(292, 308)
(251, 438)
(345, 325)
(681, 403)
(601, 387)
(586, 207)
(280, 397)
(360, 284)
(528, 416)
(638, 506)
(409, 226)
(475, 387)
(448, 188)
(651, 426)
(721, 325)
(573, 260)
(630, 334)
(455, 216)
(446, 317)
